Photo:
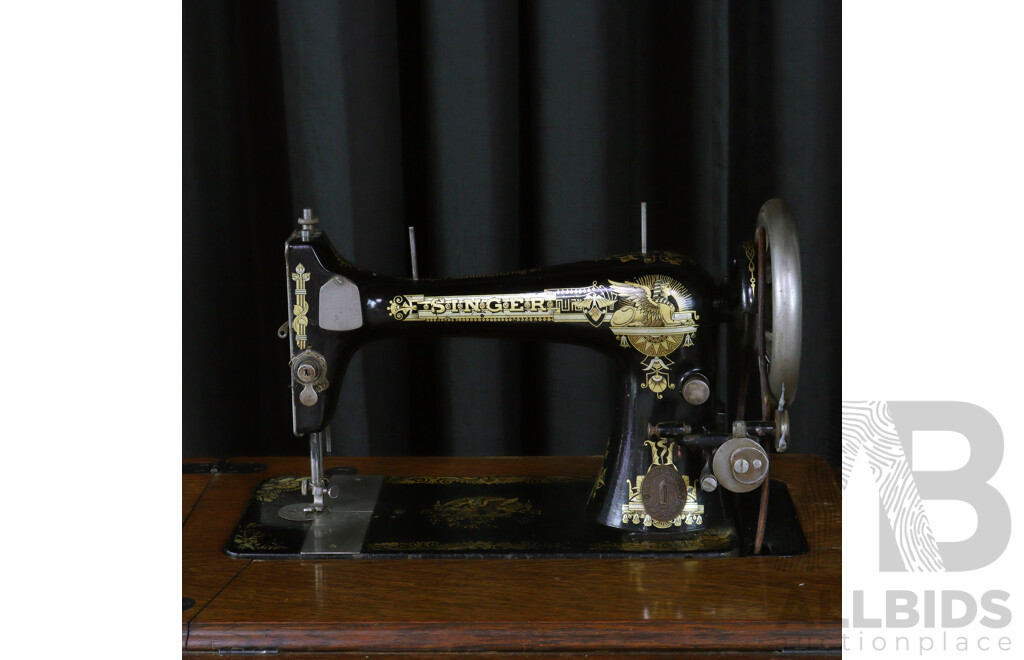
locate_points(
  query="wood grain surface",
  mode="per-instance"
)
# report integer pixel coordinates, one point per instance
(748, 604)
(192, 486)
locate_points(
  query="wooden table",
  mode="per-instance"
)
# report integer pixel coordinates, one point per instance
(604, 607)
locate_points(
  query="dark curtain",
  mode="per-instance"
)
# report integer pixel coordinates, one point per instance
(511, 134)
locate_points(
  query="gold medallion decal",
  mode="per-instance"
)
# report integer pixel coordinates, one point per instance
(301, 307)
(669, 500)
(655, 314)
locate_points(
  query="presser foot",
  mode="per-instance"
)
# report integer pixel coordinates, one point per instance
(303, 511)
(311, 510)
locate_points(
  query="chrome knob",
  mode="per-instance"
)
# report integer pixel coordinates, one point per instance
(696, 390)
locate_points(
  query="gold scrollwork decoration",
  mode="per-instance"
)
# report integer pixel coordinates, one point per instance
(709, 540)
(271, 489)
(661, 451)
(656, 373)
(599, 483)
(674, 259)
(301, 307)
(252, 537)
(481, 511)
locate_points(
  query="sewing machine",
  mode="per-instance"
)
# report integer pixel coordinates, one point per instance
(677, 476)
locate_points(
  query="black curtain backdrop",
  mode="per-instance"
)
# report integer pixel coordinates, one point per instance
(512, 135)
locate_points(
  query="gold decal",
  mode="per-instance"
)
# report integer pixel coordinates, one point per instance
(598, 483)
(271, 489)
(301, 307)
(477, 512)
(633, 511)
(654, 314)
(661, 451)
(553, 305)
(252, 537)
(656, 371)
(674, 259)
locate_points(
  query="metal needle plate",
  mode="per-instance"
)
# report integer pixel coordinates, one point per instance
(342, 530)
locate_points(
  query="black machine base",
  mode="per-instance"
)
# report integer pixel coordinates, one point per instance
(486, 517)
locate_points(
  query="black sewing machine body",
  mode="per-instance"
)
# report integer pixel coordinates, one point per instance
(653, 314)
(672, 472)
(572, 303)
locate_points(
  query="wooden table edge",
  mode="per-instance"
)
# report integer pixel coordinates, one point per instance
(519, 636)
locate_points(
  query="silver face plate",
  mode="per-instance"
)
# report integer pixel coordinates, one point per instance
(340, 308)
(342, 529)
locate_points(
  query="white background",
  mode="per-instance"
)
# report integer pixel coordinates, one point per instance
(90, 196)
(933, 234)
(90, 200)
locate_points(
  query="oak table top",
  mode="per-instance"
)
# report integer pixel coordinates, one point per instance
(746, 604)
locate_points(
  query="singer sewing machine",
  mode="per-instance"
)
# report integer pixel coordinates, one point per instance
(678, 476)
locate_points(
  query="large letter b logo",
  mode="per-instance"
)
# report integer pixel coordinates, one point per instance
(883, 432)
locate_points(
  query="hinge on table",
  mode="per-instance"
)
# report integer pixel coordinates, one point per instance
(248, 650)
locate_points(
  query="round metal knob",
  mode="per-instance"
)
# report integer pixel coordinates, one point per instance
(708, 483)
(696, 390)
(740, 465)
